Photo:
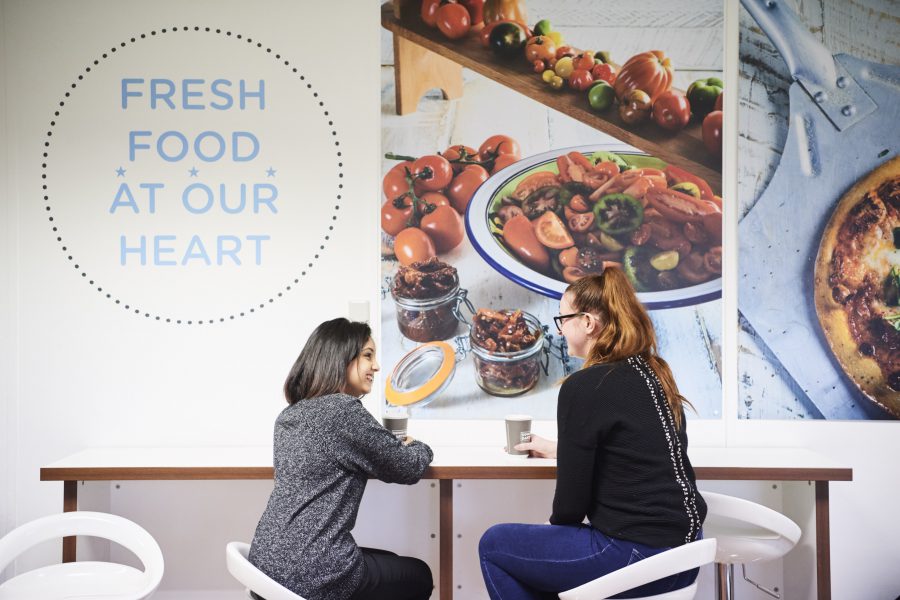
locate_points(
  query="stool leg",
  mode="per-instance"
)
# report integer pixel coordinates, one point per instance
(724, 581)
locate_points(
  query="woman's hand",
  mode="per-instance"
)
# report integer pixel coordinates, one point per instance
(538, 447)
(408, 440)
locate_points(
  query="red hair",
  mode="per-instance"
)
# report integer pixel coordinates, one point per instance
(627, 329)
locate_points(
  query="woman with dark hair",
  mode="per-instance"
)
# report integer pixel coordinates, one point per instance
(622, 458)
(327, 445)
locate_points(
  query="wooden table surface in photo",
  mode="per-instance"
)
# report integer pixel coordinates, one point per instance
(450, 463)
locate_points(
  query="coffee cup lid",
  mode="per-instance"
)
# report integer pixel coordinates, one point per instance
(421, 375)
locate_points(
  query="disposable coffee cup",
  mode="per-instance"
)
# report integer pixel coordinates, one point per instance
(396, 421)
(518, 431)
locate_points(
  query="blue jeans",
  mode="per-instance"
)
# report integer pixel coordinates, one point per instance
(535, 562)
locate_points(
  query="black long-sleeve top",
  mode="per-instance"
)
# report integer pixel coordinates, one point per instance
(326, 449)
(621, 461)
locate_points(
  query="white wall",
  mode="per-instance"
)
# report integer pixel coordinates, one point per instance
(76, 373)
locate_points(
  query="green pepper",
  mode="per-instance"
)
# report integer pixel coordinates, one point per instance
(702, 95)
(636, 264)
(618, 213)
(605, 156)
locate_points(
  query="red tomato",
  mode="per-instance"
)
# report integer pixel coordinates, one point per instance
(499, 144)
(569, 257)
(412, 245)
(581, 222)
(463, 186)
(671, 110)
(432, 172)
(580, 79)
(677, 175)
(649, 71)
(718, 104)
(712, 132)
(435, 198)
(393, 219)
(604, 71)
(445, 228)
(518, 234)
(457, 152)
(453, 20)
(564, 51)
(585, 60)
(551, 231)
(540, 47)
(503, 160)
(394, 183)
(476, 10)
(429, 12)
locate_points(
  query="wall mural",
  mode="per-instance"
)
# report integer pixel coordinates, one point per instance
(547, 164)
(175, 187)
(819, 183)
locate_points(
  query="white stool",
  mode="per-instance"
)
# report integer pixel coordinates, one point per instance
(746, 532)
(85, 579)
(242, 569)
(670, 562)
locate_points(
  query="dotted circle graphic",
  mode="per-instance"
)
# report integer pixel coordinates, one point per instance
(131, 306)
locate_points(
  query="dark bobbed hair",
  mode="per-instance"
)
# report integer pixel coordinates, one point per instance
(321, 368)
(627, 330)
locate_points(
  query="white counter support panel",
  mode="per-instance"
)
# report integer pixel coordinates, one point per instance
(459, 462)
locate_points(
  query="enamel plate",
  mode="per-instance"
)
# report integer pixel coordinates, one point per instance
(492, 250)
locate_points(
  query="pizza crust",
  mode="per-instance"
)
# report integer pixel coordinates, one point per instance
(862, 370)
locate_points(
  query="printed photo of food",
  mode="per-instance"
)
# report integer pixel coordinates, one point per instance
(527, 144)
(819, 210)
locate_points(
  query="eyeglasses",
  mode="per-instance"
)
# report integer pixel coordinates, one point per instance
(558, 319)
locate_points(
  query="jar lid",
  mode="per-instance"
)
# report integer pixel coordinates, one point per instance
(421, 375)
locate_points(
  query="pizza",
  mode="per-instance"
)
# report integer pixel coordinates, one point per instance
(857, 284)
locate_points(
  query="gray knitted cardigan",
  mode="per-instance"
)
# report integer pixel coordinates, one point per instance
(326, 449)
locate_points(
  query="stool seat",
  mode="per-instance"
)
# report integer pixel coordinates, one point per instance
(80, 580)
(740, 543)
(745, 532)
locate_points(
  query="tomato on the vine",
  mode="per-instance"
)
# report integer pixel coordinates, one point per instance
(457, 152)
(393, 219)
(436, 198)
(453, 20)
(432, 172)
(671, 110)
(394, 183)
(712, 132)
(499, 144)
(412, 245)
(445, 228)
(463, 186)
(503, 160)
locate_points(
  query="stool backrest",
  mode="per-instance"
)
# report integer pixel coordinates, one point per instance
(239, 565)
(94, 524)
(670, 562)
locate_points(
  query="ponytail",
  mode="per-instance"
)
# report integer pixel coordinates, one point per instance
(627, 329)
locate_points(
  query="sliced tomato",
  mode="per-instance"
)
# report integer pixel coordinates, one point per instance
(519, 236)
(680, 207)
(581, 222)
(569, 257)
(677, 175)
(551, 231)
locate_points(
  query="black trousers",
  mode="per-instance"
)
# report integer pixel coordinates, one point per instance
(392, 577)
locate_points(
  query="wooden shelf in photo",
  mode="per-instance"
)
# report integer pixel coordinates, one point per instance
(424, 59)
